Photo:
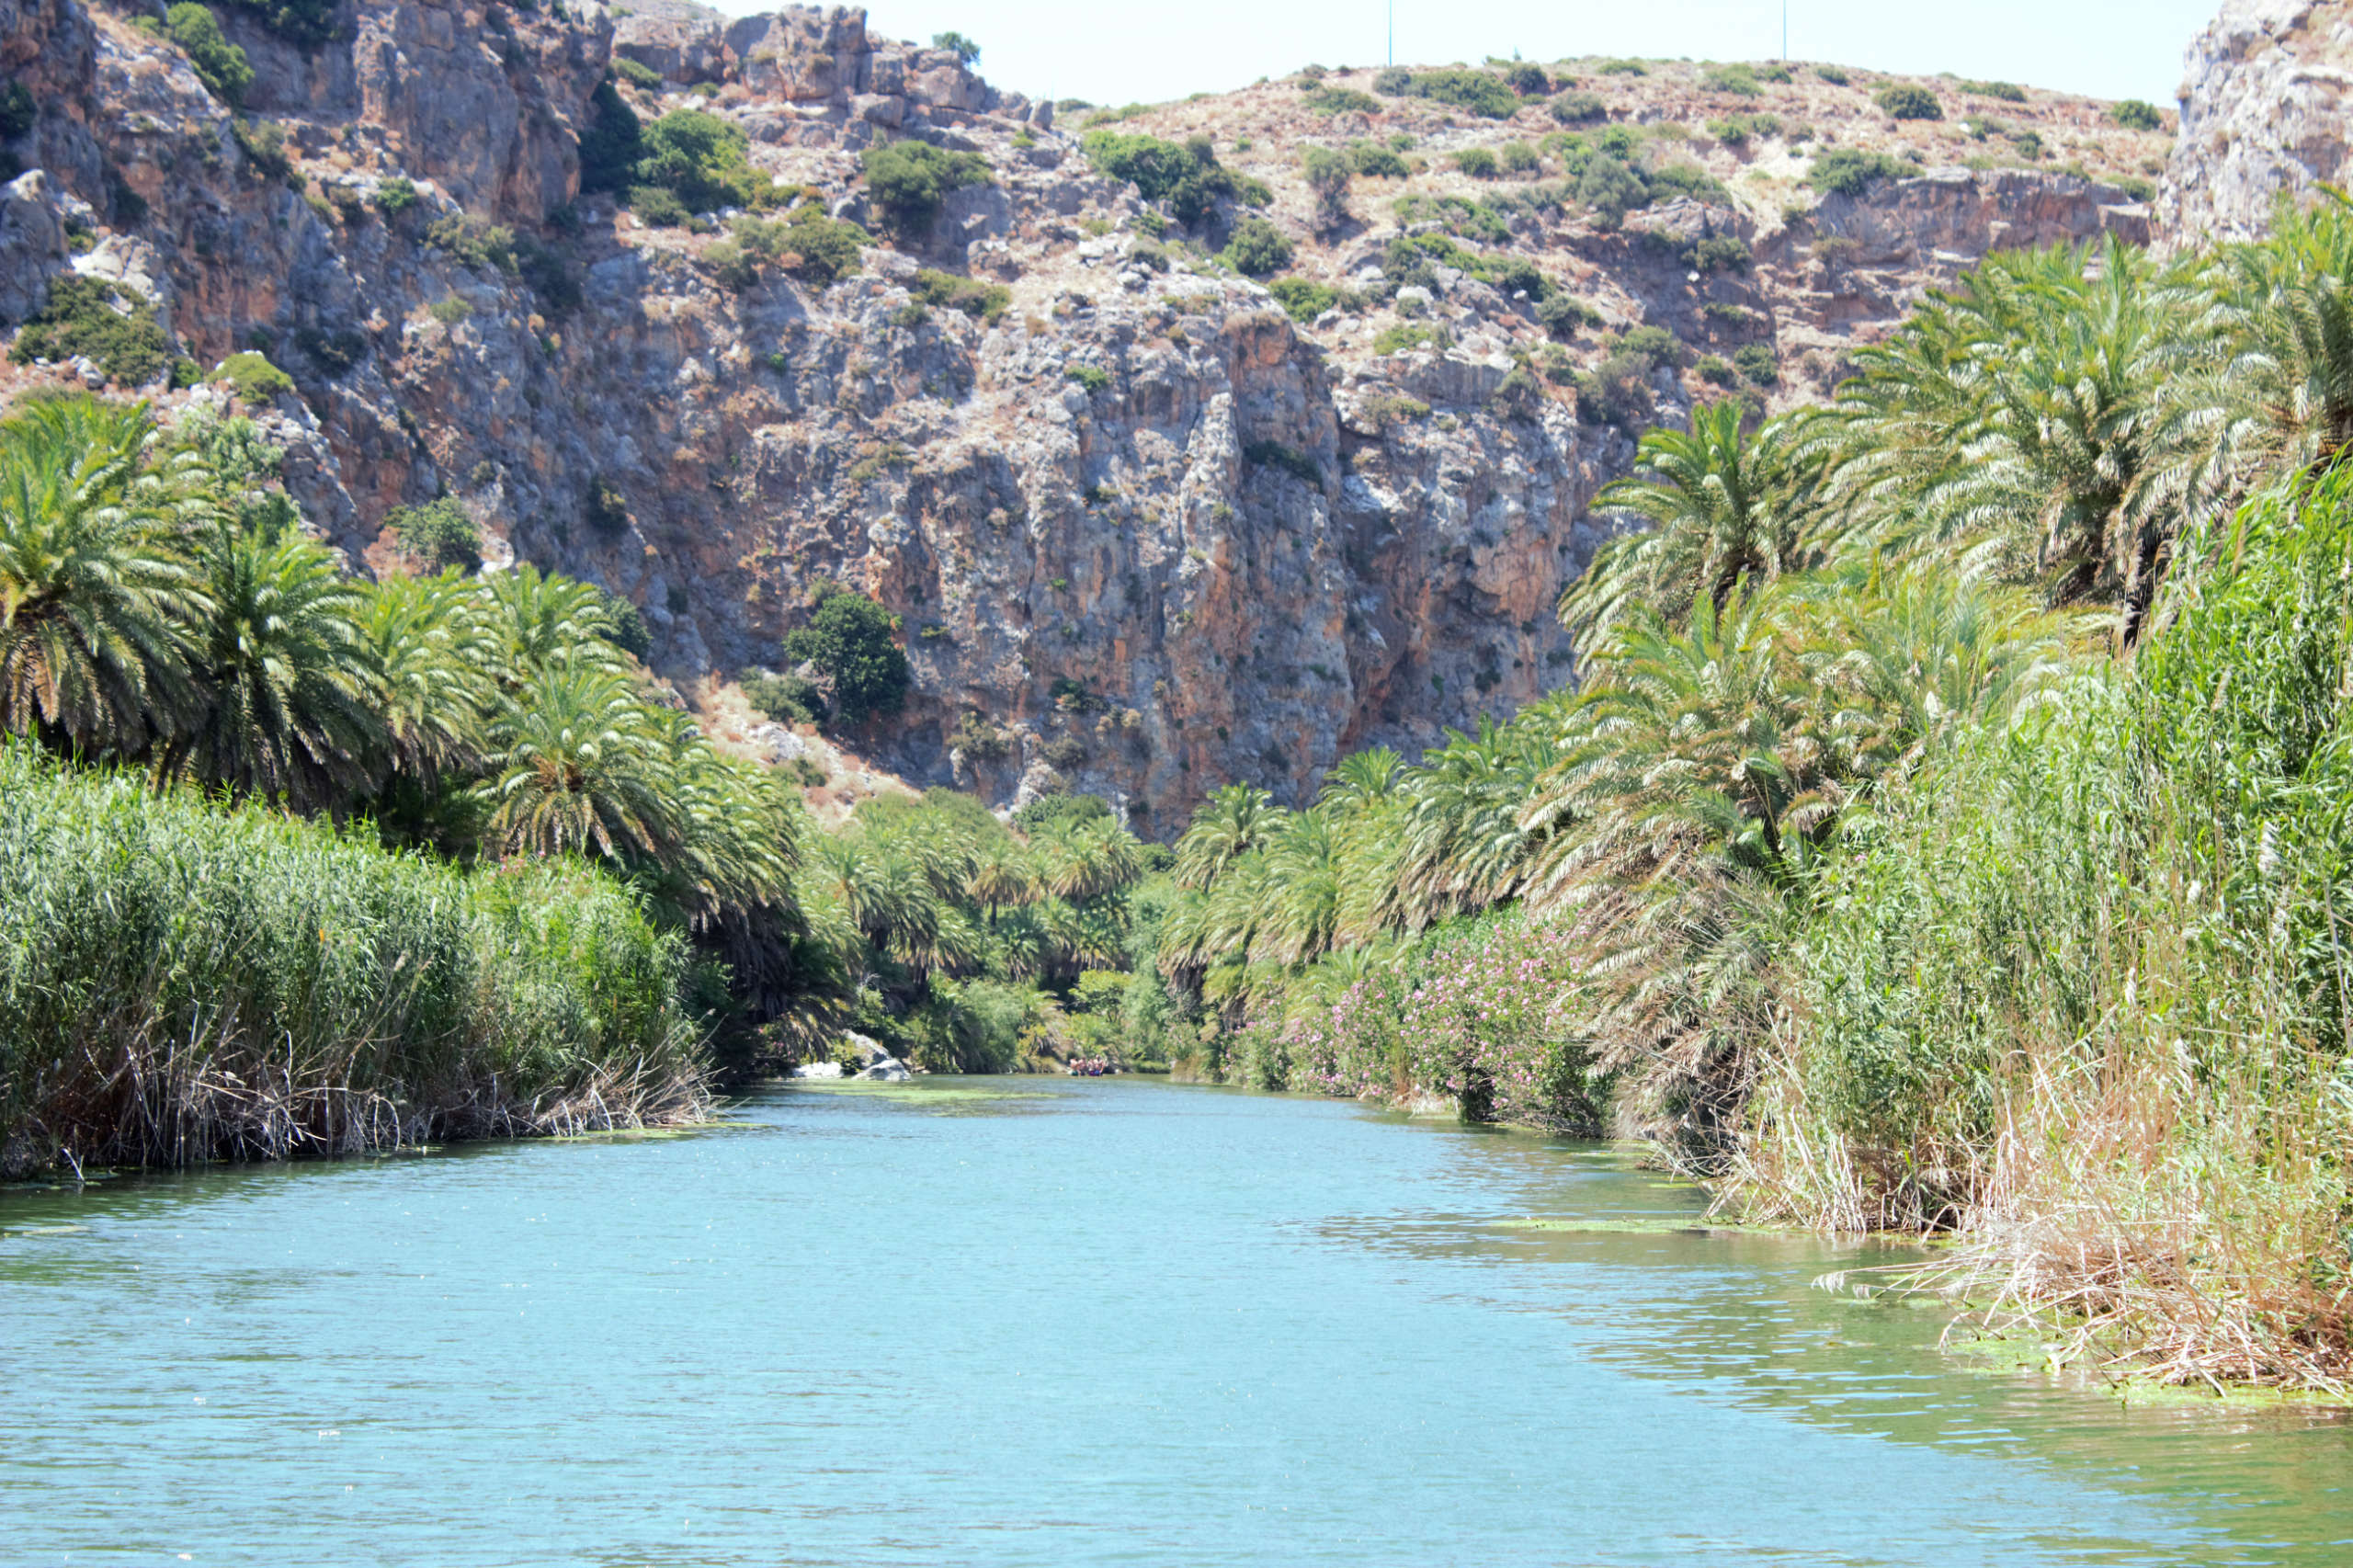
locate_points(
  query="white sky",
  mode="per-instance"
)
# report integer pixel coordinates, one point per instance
(1115, 53)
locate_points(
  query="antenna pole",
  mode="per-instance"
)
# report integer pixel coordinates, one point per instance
(1392, 32)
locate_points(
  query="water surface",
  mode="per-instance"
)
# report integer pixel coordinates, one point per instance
(1046, 1321)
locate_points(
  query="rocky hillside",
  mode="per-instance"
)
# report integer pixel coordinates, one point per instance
(1158, 505)
(2263, 115)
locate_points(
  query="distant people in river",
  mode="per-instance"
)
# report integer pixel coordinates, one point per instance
(1090, 1066)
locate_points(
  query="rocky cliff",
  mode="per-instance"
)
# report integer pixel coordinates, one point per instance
(2263, 115)
(1147, 531)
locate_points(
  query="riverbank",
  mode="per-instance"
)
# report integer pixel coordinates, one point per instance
(182, 982)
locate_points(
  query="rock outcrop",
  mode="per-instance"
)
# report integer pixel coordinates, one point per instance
(2265, 95)
(1146, 532)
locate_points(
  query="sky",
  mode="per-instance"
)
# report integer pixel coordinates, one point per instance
(1120, 53)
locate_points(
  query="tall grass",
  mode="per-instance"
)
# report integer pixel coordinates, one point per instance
(180, 981)
(2082, 996)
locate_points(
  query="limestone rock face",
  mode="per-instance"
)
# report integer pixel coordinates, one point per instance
(1145, 532)
(2266, 97)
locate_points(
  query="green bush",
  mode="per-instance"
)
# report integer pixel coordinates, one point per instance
(1341, 100)
(1528, 79)
(1563, 315)
(908, 180)
(1375, 161)
(1274, 454)
(306, 22)
(1302, 298)
(353, 998)
(949, 292)
(642, 76)
(1905, 100)
(253, 378)
(624, 627)
(220, 64)
(1740, 81)
(1188, 178)
(786, 700)
(1481, 92)
(1833, 74)
(108, 323)
(1519, 157)
(851, 639)
(1847, 171)
(2007, 92)
(395, 195)
(1720, 253)
(1479, 163)
(1256, 248)
(612, 144)
(1622, 68)
(437, 536)
(1579, 108)
(1715, 372)
(2135, 115)
(1756, 361)
(450, 310)
(18, 109)
(1092, 378)
(956, 43)
(1394, 82)
(606, 508)
(263, 143)
(656, 205)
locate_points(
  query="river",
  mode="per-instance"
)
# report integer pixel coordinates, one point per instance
(1046, 1321)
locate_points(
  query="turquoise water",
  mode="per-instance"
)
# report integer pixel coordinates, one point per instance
(1037, 1321)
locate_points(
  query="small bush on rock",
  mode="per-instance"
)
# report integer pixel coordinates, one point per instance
(106, 323)
(220, 64)
(850, 639)
(2135, 115)
(253, 378)
(435, 536)
(1905, 100)
(1256, 248)
(908, 180)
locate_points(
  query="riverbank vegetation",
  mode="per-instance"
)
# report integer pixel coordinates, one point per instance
(1948, 832)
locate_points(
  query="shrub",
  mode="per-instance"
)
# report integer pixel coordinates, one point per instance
(1403, 338)
(395, 195)
(220, 64)
(1833, 74)
(607, 508)
(1479, 163)
(1256, 248)
(1519, 157)
(1481, 92)
(1188, 178)
(306, 22)
(1622, 68)
(1756, 361)
(981, 741)
(1341, 100)
(909, 179)
(786, 700)
(1740, 81)
(1063, 756)
(624, 627)
(656, 205)
(612, 144)
(641, 76)
(1302, 298)
(1579, 108)
(700, 159)
(2007, 92)
(1394, 82)
(1847, 171)
(1093, 379)
(473, 242)
(849, 638)
(1328, 173)
(1375, 161)
(437, 536)
(1720, 253)
(450, 310)
(110, 323)
(815, 248)
(1528, 79)
(1274, 454)
(1563, 315)
(949, 292)
(17, 110)
(1905, 100)
(956, 43)
(2135, 115)
(1715, 372)
(264, 144)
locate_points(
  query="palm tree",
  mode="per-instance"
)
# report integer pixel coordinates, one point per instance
(96, 584)
(1228, 825)
(292, 697)
(576, 765)
(433, 658)
(541, 621)
(1721, 504)
(1362, 778)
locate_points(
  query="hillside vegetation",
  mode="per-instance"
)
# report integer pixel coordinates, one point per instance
(1946, 833)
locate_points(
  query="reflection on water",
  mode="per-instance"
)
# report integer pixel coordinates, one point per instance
(1040, 1321)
